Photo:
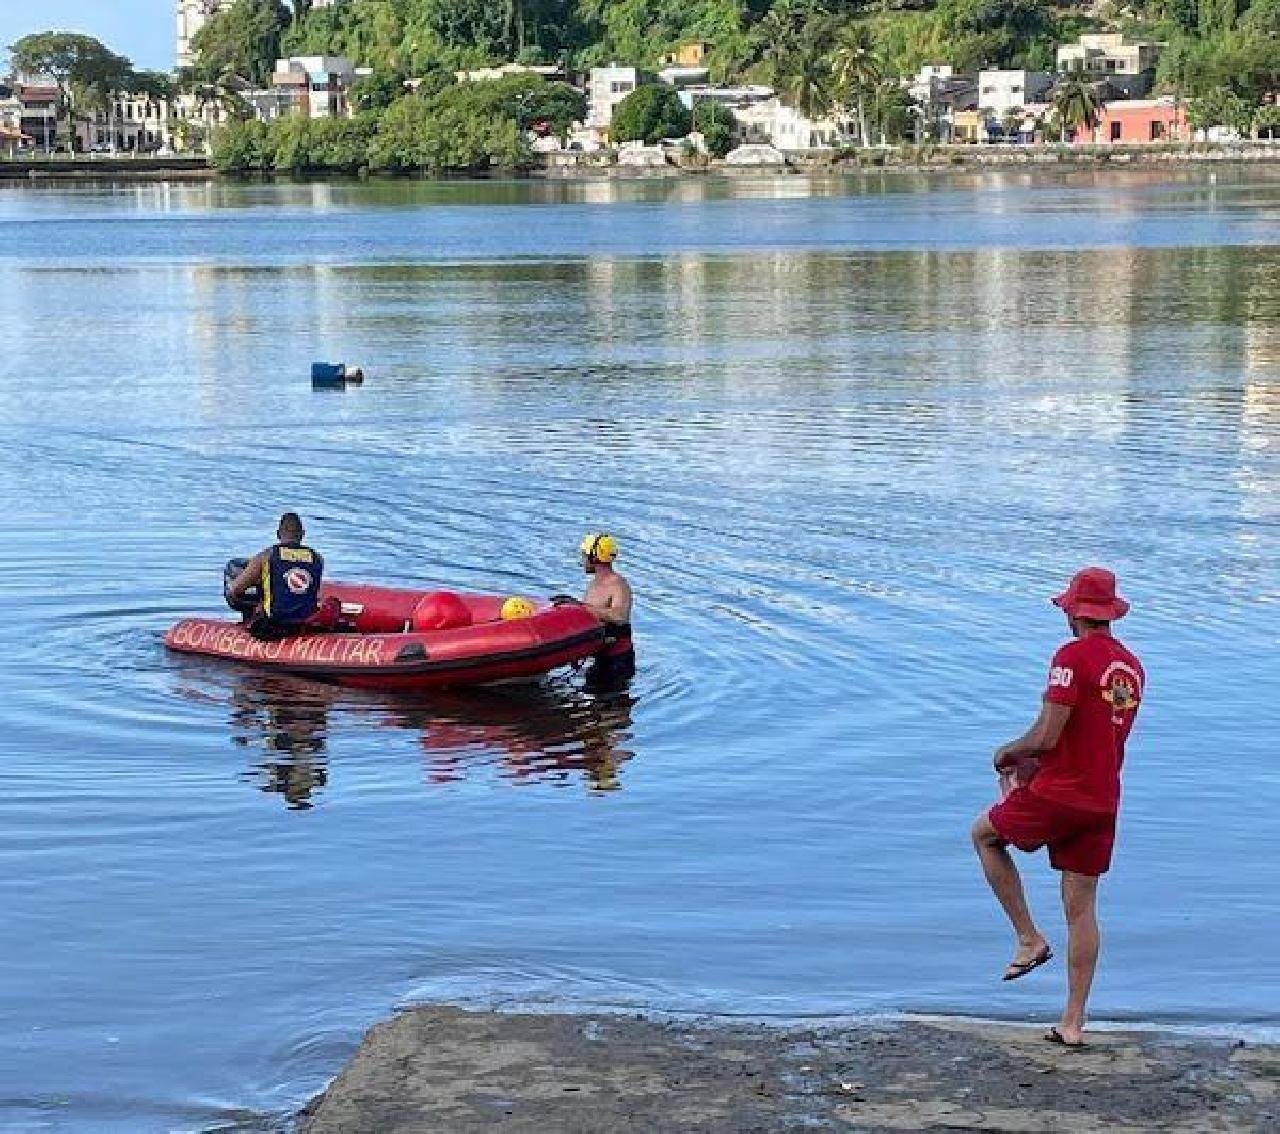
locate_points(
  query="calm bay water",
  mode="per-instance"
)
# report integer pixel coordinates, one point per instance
(851, 434)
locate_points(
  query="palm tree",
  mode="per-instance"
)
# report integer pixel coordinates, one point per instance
(808, 81)
(794, 58)
(1077, 104)
(779, 35)
(856, 71)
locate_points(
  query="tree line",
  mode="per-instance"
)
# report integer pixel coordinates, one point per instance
(1222, 56)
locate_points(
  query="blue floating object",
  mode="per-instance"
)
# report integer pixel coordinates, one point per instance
(328, 374)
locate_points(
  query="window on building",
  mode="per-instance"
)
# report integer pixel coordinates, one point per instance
(1157, 131)
(1115, 131)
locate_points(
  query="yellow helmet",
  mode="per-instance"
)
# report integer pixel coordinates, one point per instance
(600, 546)
(517, 606)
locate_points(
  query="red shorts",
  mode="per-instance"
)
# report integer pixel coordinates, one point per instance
(1078, 841)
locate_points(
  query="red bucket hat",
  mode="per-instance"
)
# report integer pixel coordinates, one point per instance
(1092, 594)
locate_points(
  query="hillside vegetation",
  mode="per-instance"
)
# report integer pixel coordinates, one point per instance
(1213, 45)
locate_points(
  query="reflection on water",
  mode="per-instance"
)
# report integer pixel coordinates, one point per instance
(851, 433)
(540, 731)
(287, 718)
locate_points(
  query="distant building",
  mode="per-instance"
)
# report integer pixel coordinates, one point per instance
(937, 93)
(684, 76)
(968, 127)
(38, 103)
(735, 98)
(1000, 92)
(1139, 121)
(137, 124)
(607, 87)
(316, 85)
(1107, 55)
(548, 71)
(192, 16)
(771, 122)
(688, 55)
(11, 136)
(1128, 68)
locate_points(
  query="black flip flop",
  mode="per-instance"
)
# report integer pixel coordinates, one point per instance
(1055, 1036)
(1018, 969)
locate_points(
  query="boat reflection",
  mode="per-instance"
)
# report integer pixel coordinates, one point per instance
(541, 733)
(288, 719)
(549, 732)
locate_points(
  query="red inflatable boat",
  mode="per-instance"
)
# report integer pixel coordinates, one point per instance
(400, 640)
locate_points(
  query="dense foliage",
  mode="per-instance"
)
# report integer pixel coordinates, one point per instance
(243, 40)
(443, 126)
(1222, 57)
(716, 123)
(649, 114)
(797, 45)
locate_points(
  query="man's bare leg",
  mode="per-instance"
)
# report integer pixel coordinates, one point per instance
(1006, 884)
(1080, 903)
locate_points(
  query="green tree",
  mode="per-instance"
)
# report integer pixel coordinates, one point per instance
(378, 90)
(796, 35)
(87, 72)
(243, 147)
(469, 126)
(717, 125)
(649, 114)
(1221, 107)
(242, 40)
(1076, 104)
(856, 72)
(534, 102)
(1266, 121)
(893, 111)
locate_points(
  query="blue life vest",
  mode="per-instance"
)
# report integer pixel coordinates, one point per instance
(291, 583)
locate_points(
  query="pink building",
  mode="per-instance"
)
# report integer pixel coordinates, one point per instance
(1139, 120)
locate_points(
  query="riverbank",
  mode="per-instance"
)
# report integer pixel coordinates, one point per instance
(90, 167)
(447, 1069)
(938, 159)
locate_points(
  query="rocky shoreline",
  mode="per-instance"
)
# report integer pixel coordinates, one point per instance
(439, 1068)
(824, 163)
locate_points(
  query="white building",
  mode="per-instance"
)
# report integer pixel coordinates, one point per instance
(608, 87)
(1108, 55)
(192, 16)
(773, 123)
(735, 98)
(134, 124)
(548, 71)
(684, 76)
(316, 84)
(1000, 92)
(937, 92)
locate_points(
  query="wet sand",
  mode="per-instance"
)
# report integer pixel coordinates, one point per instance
(446, 1069)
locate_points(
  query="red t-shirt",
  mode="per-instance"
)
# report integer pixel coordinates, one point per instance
(1103, 682)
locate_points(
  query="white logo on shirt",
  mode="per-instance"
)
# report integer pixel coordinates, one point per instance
(1061, 676)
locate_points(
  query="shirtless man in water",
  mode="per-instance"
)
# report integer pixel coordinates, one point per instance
(609, 598)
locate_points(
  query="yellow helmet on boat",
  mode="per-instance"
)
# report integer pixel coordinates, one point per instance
(517, 606)
(600, 547)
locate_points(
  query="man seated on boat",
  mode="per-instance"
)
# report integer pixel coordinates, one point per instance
(609, 598)
(278, 590)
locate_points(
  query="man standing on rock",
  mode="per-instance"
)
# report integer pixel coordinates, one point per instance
(1064, 780)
